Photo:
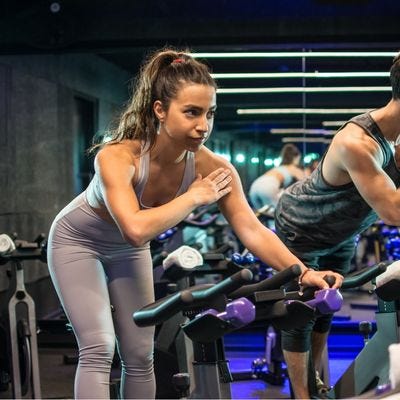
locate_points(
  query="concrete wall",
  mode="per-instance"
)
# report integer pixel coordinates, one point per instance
(38, 136)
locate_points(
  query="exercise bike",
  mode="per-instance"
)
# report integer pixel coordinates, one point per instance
(370, 369)
(206, 326)
(19, 360)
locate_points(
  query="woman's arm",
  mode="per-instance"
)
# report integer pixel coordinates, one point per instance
(257, 238)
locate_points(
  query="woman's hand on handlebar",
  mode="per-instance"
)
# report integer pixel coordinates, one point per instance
(317, 278)
(211, 188)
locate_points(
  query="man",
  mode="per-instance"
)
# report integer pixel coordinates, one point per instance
(318, 218)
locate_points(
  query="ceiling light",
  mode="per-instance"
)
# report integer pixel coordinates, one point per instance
(295, 54)
(284, 131)
(305, 140)
(305, 89)
(315, 74)
(333, 123)
(242, 111)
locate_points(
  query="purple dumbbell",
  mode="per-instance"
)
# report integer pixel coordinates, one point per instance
(238, 313)
(327, 301)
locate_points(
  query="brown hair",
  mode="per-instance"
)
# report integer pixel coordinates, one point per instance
(288, 153)
(160, 78)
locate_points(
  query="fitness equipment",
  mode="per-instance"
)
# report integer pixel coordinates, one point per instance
(356, 280)
(195, 230)
(211, 364)
(371, 366)
(260, 270)
(279, 308)
(237, 313)
(291, 309)
(173, 240)
(176, 271)
(18, 319)
(210, 368)
(270, 367)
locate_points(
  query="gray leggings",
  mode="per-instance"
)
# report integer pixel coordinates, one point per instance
(101, 280)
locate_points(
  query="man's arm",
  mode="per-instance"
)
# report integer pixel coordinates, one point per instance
(355, 156)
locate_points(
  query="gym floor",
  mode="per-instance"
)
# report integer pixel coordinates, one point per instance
(57, 376)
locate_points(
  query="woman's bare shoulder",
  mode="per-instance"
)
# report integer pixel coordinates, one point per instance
(207, 161)
(124, 150)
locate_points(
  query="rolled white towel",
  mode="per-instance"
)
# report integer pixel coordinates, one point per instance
(392, 272)
(185, 257)
(388, 283)
(394, 362)
(7, 245)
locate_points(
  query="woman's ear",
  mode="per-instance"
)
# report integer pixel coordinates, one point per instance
(159, 110)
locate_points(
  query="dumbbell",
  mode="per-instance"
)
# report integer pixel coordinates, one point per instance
(238, 313)
(248, 258)
(167, 234)
(326, 301)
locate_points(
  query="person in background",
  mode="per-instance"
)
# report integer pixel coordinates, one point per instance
(266, 189)
(151, 175)
(320, 217)
(309, 168)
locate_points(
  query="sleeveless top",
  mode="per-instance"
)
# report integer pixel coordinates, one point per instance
(189, 175)
(315, 215)
(287, 177)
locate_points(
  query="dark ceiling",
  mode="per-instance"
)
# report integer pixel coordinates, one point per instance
(124, 31)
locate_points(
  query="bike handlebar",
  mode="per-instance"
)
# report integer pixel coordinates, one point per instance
(24, 250)
(365, 275)
(159, 311)
(274, 282)
(226, 286)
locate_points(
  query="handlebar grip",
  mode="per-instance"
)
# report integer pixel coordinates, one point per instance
(226, 286)
(274, 282)
(158, 312)
(365, 275)
(281, 278)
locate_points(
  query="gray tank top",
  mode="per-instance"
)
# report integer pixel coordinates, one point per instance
(287, 177)
(317, 215)
(189, 175)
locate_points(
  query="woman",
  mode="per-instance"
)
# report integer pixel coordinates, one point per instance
(150, 176)
(266, 189)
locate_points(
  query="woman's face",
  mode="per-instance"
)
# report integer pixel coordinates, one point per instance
(189, 119)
